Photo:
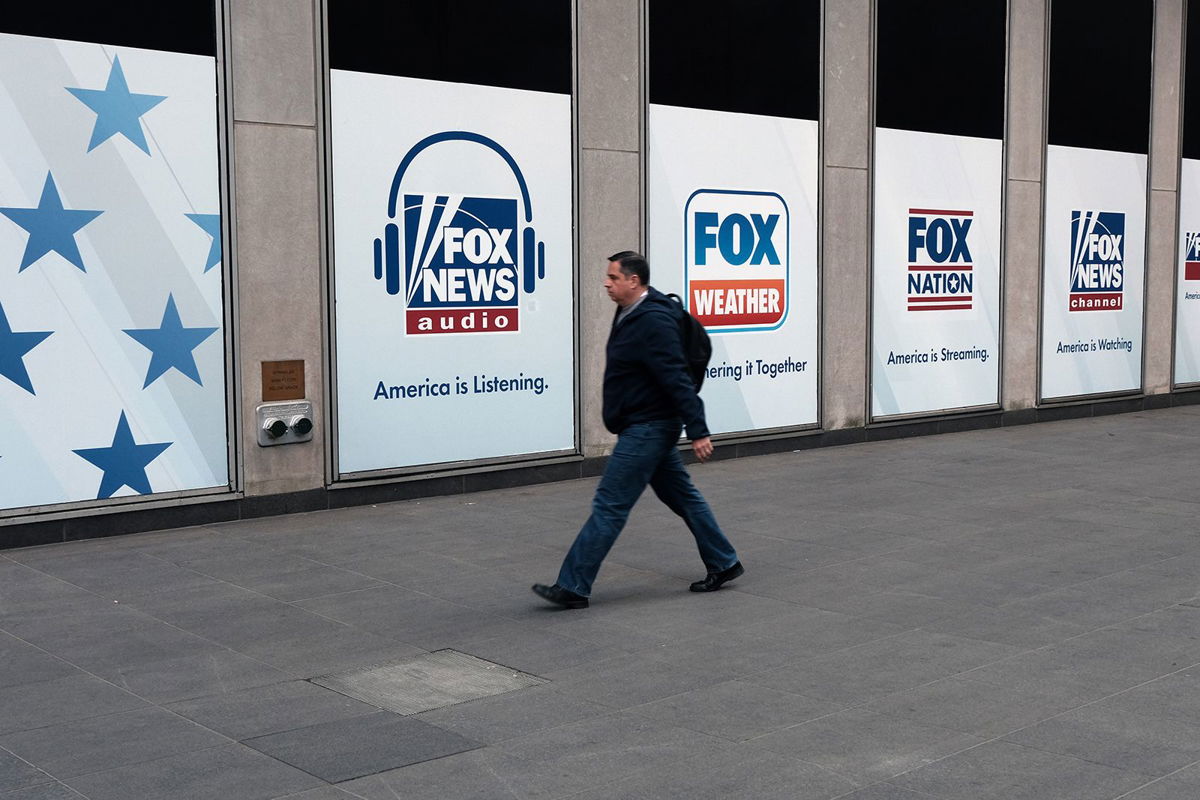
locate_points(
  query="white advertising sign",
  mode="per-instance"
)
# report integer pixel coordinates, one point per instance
(453, 271)
(1187, 301)
(733, 231)
(936, 277)
(112, 356)
(1093, 272)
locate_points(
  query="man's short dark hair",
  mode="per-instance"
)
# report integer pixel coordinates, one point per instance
(633, 264)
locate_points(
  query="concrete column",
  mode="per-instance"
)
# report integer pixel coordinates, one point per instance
(610, 104)
(846, 191)
(277, 205)
(1025, 149)
(1162, 233)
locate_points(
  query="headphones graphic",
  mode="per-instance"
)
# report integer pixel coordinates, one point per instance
(387, 249)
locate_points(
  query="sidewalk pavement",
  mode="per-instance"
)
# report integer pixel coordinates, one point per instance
(1007, 614)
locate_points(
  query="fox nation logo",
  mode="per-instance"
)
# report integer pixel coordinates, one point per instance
(1097, 261)
(466, 259)
(941, 273)
(736, 254)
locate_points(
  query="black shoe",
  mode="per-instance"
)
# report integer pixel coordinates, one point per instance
(715, 580)
(560, 596)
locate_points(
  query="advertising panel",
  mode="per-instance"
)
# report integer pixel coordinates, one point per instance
(1093, 271)
(936, 278)
(453, 271)
(733, 231)
(112, 356)
(1187, 300)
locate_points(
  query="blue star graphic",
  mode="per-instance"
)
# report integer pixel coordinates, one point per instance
(210, 224)
(51, 227)
(171, 345)
(124, 463)
(117, 109)
(13, 347)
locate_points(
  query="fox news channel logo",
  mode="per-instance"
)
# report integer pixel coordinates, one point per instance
(941, 274)
(1097, 261)
(1191, 260)
(736, 254)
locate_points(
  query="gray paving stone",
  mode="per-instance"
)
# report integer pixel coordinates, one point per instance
(324, 793)
(204, 672)
(410, 617)
(631, 680)
(45, 791)
(1152, 746)
(741, 772)
(23, 663)
(971, 707)
(1004, 771)
(866, 746)
(735, 710)
(885, 791)
(508, 716)
(115, 574)
(811, 631)
(262, 710)
(1182, 785)
(113, 740)
(868, 671)
(476, 775)
(16, 773)
(1091, 666)
(37, 705)
(220, 773)
(1175, 696)
(345, 749)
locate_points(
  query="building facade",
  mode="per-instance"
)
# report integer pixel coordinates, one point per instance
(264, 256)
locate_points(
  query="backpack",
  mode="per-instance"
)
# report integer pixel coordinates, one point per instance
(697, 347)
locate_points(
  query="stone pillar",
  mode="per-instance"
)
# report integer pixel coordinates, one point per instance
(1162, 232)
(610, 103)
(276, 198)
(846, 192)
(1025, 161)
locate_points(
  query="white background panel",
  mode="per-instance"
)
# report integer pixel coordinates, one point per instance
(928, 361)
(694, 149)
(1079, 179)
(376, 120)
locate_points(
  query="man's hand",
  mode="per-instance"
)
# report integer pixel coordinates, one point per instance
(702, 448)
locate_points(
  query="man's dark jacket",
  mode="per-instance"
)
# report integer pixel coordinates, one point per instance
(646, 376)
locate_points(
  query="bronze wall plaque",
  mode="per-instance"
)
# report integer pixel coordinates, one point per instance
(282, 380)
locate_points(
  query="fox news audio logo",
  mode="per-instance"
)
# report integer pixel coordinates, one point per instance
(941, 273)
(1191, 261)
(460, 265)
(466, 259)
(1097, 261)
(736, 255)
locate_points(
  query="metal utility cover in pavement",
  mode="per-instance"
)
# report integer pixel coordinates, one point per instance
(434, 680)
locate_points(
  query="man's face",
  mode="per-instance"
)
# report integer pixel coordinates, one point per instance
(622, 288)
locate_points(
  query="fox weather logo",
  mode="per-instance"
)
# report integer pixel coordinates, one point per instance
(467, 260)
(736, 259)
(1097, 261)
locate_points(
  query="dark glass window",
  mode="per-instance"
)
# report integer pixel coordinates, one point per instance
(752, 57)
(518, 44)
(1191, 84)
(180, 26)
(1100, 60)
(940, 66)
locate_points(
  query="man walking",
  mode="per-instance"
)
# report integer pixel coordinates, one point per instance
(649, 398)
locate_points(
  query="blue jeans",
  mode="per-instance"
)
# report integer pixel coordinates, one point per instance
(645, 454)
